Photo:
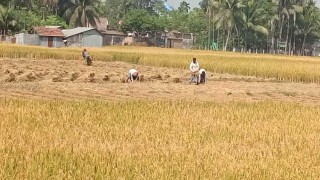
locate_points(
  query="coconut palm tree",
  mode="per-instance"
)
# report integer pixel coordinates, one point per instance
(184, 7)
(253, 14)
(7, 19)
(81, 13)
(52, 5)
(228, 10)
(309, 22)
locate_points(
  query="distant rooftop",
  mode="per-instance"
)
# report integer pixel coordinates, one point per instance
(75, 31)
(45, 31)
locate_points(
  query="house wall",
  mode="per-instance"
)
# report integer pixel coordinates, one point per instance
(74, 41)
(92, 39)
(128, 40)
(175, 43)
(187, 43)
(27, 39)
(113, 40)
(57, 41)
(44, 41)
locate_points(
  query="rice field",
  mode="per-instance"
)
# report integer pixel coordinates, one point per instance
(158, 140)
(234, 127)
(282, 68)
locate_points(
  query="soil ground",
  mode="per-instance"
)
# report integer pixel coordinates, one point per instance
(59, 79)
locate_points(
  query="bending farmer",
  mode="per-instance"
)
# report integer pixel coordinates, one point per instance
(86, 57)
(202, 76)
(133, 75)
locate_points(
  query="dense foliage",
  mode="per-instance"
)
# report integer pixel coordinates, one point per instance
(287, 26)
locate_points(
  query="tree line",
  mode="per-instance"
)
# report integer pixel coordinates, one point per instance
(276, 26)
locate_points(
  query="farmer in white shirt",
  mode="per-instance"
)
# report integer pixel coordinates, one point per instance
(133, 75)
(194, 68)
(202, 76)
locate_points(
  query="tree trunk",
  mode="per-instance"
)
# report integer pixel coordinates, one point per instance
(223, 38)
(287, 36)
(218, 37)
(209, 30)
(303, 43)
(294, 35)
(238, 36)
(213, 27)
(281, 28)
(227, 41)
(272, 36)
(213, 33)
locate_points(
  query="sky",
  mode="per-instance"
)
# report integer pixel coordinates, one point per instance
(195, 3)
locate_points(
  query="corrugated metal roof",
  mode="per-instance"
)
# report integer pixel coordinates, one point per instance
(44, 31)
(78, 30)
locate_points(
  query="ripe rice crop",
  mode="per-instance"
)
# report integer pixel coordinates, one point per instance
(282, 68)
(158, 140)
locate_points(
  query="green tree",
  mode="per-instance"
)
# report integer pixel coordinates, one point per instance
(7, 18)
(54, 20)
(140, 21)
(184, 7)
(51, 5)
(252, 19)
(226, 16)
(308, 23)
(81, 12)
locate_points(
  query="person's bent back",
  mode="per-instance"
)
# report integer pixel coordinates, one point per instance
(202, 76)
(133, 75)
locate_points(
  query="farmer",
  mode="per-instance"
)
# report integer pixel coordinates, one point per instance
(194, 68)
(202, 76)
(86, 57)
(133, 75)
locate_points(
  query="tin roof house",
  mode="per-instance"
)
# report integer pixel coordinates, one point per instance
(42, 36)
(49, 37)
(82, 37)
(110, 36)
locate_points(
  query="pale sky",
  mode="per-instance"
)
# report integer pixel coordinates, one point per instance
(195, 3)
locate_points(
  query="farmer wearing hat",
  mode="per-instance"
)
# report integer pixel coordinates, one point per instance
(133, 75)
(194, 68)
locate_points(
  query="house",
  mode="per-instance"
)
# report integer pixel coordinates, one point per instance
(144, 39)
(49, 36)
(172, 39)
(82, 37)
(175, 39)
(42, 36)
(113, 37)
(27, 39)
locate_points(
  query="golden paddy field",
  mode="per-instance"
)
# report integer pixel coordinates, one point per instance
(256, 118)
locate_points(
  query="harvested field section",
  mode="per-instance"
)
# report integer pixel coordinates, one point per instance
(58, 79)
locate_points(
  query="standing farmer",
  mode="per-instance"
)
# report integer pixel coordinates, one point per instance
(194, 68)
